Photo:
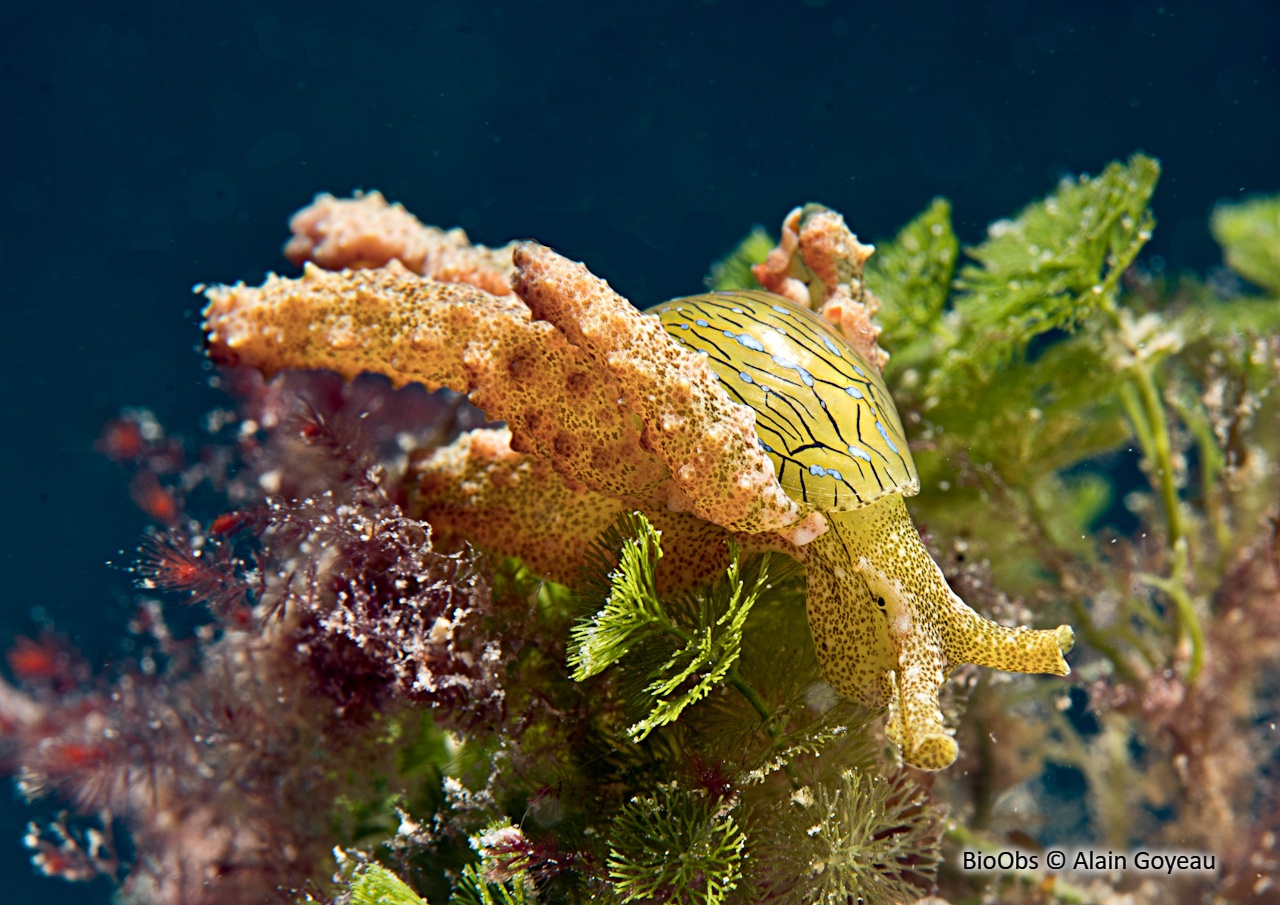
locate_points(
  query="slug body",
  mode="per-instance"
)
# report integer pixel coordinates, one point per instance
(886, 627)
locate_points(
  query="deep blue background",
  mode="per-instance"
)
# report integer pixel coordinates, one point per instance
(145, 147)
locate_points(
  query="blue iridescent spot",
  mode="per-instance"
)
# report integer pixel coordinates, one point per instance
(780, 309)
(859, 453)
(817, 471)
(703, 352)
(884, 433)
(859, 370)
(854, 392)
(831, 347)
(749, 341)
(832, 473)
(701, 323)
(736, 310)
(780, 330)
(745, 377)
(787, 363)
(684, 326)
(767, 447)
(823, 403)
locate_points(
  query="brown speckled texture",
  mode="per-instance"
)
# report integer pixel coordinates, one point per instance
(478, 490)
(709, 442)
(559, 406)
(888, 629)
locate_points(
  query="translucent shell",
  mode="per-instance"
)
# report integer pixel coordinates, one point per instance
(823, 413)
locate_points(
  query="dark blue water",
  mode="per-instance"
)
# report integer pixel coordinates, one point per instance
(145, 147)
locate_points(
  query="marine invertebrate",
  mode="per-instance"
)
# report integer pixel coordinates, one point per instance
(557, 402)
(630, 417)
(818, 264)
(887, 627)
(365, 231)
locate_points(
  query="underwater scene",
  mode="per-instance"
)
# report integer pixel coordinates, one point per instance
(812, 452)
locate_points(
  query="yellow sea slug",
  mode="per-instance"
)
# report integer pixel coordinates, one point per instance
(886, 627)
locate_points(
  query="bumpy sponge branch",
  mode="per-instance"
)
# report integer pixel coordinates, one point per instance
(366, 231)
(391, 322)
(720, 473)
(477, 490)
(818, 264)
(612, 402)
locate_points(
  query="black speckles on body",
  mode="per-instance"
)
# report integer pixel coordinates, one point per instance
(888, 629)
(823, 414)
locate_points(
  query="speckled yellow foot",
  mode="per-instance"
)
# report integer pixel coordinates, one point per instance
(886, 625)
